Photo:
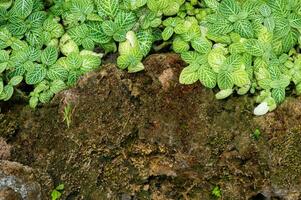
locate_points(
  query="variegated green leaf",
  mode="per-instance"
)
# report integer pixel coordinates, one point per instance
(57, 72)
(241, 78)
(244, 28)
(254, 47)
(57, 86)
(36, 76)
(167, 33)
(180, 46)
(201, 45)
(278, 95)
(107, 7)
(229, 7)
(189, 75)
(23, 8)
(192, 57)
(15, 80)
(225, 80)
(207, 76)
(49, 56)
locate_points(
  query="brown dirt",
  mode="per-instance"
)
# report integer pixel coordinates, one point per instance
(145, 136)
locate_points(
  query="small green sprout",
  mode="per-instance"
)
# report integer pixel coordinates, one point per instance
(256, 134)
(57, 192)
(216, 192)
(68, 114)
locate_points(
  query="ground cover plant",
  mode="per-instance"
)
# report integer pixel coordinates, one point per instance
(237, 46)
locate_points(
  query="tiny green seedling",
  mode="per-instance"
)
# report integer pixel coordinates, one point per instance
(256, 134)
(57, 192)
(216, 192)
(68, 114)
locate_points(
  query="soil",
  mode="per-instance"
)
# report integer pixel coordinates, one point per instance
(145, 136)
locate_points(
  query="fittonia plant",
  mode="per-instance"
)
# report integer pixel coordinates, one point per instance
(255, 44)
(238, 46)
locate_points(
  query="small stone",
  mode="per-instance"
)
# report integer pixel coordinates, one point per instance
(261, 109)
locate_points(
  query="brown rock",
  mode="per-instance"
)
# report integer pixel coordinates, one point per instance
(20, 182)
(4, 150)
(9, 194)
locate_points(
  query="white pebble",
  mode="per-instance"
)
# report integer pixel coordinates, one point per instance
(261, 109)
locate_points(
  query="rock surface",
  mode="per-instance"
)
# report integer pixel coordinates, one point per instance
(145, 136)
(18, 182)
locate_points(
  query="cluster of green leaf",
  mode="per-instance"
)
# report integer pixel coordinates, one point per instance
(50, 44)
(57, 192)
(35, 50)
(243, 46)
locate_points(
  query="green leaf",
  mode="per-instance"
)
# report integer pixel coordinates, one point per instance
(23, 8)
(60, 187)
(225, 80)
(125, 20)
(179, 45)
(17, 28)
(97, 34)
(280, 83)
(5, 34)
(88, 43)
(220, 26)
(57, 72)
(201, 45)
(107, 7)
(3, 66)
(254, 47)
(46, 96)
(193, 57)
(72, 78)
(207, 76)
(109, 27)
(33, 102)
(136, 68)
(49, 56)
(57, 86)
(278, 6)
(229, 7)
(233, 62)
(36, 19)
(120, 35)
(289, 41)
(91, 60)
(15, 80)
(4, 55)
(278, 95)
(37, 75)
(295, 20)
(167, 33)
(78, 33)
(224, 94)
(35, 38)
(145, 40)
(7, 92)
(189, 75)
(265, 10)
(1, 86)
(241, 78)
(74, 61)
(244, 28)
(282, 27)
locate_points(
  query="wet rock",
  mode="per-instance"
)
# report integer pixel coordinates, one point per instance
(20, 182)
